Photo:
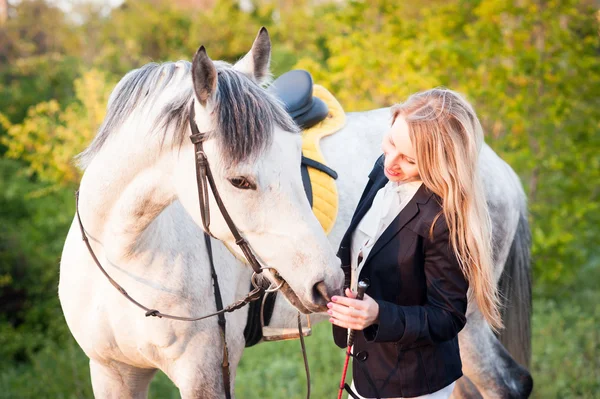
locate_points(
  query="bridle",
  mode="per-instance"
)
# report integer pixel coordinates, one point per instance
(205, 179)
(203, 174)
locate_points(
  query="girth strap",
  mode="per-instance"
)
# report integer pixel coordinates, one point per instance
(349, 390)
(306, 182)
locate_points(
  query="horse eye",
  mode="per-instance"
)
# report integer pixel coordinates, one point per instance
(242, 183)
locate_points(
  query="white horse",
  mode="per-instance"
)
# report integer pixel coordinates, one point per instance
(351, 152)
(139, 206)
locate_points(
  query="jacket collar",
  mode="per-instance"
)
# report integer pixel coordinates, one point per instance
(408, 213)
(377, 180)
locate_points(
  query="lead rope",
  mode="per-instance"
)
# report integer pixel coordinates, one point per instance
(362, 287)
(304, 357)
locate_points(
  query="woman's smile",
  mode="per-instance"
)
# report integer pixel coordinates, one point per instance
(392, 173)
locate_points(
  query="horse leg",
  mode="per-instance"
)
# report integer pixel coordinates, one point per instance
(200, 378)
(199, 373)
(120, 381)
(487, 363)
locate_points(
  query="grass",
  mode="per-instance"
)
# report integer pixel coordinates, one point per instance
(276, 369)
(566, 339)
(566, 359)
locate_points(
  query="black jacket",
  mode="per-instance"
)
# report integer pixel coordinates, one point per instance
(422, 297)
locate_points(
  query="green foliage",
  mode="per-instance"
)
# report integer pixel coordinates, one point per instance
(31, 80)
(33, 228)
(37, 61)
(55, 371)
(566, 339)
(142, 31)
(262, 366)
(533, 74)
(50, 137)
(530, 68)
(36, 27)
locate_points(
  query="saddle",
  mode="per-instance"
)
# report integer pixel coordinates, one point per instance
(319, 114)
(295, 90)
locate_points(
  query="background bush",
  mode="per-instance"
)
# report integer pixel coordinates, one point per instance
(531, 69)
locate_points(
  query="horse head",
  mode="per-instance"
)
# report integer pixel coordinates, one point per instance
(253, 150)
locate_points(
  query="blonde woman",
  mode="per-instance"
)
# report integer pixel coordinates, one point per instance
(421, 235)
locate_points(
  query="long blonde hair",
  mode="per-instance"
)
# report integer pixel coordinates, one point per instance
(448, 137)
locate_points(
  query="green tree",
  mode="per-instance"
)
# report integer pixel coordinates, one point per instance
(532, 71)
(49, 138)
(36, 27)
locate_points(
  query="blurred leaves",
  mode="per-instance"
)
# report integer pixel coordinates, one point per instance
(49, 137)
(533, 74)
(531, 69)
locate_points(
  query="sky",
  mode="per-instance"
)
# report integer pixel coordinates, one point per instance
(66, 4)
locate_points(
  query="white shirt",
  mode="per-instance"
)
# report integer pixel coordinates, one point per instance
(387, 204)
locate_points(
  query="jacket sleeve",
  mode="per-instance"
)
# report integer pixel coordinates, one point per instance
(340, 336)
(443, 314)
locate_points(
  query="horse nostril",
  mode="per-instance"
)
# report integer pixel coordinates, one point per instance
(521, 383)
(526, 385)
(320, 294)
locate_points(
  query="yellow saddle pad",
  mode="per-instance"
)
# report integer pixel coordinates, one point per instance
(325, 195)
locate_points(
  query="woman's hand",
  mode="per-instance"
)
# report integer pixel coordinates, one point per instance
(349, 312)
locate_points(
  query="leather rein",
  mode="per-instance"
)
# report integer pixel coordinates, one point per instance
(205, 179)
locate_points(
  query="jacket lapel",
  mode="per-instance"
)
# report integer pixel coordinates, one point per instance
(377, 180)
(406, 215)
(366, 203)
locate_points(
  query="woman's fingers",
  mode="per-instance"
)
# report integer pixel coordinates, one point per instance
(350, 316)
(347, 311)
(351, 313)
(346, 324)
(341, 308)
(353, 303)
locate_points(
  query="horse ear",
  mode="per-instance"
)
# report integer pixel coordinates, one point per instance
(204, 76)
(256, 63)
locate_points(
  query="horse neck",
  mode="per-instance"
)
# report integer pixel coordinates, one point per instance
(124, 188)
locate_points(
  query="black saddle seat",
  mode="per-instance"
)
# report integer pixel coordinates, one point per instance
(295, 89)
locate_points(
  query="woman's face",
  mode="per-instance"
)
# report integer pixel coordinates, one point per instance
(400, 156)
